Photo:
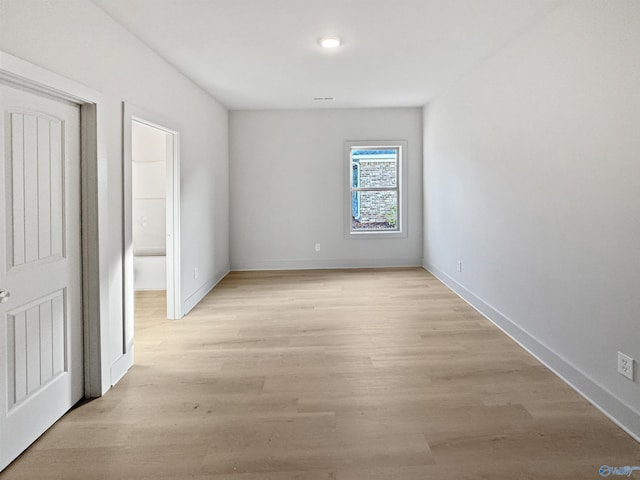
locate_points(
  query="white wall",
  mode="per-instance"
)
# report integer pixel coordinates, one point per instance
(287, 179)
(532, 180)
(150, 148)
(74, 38)
(149, 191)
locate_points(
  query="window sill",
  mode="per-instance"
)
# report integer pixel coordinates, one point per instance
(372, 234)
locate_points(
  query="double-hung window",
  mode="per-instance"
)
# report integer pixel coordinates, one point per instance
(376, 188)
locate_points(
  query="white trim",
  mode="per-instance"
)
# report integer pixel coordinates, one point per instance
(174, 250)
(202, 292)
(618, 412)
(20, 72)
(121, 366)
(95, 281)
(327, 264)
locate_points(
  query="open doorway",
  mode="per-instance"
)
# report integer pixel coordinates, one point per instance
(151, 218)
(150, 147)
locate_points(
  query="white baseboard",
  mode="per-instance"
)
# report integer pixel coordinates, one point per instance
(202, 292)
(324, 264)
(621, 414)
(149, 273)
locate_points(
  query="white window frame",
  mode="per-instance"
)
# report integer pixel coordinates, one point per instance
(401, 231)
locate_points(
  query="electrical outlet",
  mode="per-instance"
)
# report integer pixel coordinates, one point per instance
(196, 272)
(317, 247)
(625, 365)
(459, 265)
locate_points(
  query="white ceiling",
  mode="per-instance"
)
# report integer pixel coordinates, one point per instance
(264, 54)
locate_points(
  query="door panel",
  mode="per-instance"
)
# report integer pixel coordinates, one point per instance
(35, 230)
(36, 346)
(41, 374)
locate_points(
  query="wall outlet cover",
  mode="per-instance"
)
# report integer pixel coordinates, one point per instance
(625, 365)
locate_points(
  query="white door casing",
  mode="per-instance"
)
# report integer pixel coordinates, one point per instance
(125, 357)
(41, 325)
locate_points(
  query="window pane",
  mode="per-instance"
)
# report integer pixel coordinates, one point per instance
(355, 174)
(375, 211)
(355, 205)
(374, 168)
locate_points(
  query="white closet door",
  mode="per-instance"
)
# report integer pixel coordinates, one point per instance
(41, 349)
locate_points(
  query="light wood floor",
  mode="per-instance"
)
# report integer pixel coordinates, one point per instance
(343, 375)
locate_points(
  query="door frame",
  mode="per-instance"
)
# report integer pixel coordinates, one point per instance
(133, 113)
(22, 74)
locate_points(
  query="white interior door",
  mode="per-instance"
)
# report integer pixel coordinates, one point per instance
(41, 341)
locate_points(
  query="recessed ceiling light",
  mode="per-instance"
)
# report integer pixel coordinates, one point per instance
(330, 42)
